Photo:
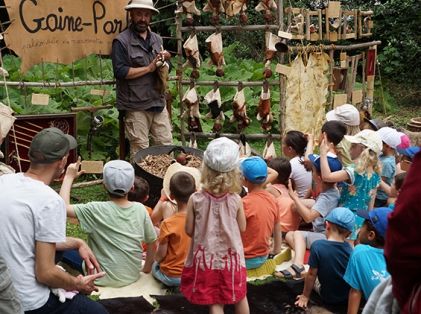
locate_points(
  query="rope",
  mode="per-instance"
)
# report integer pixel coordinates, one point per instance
(8, 103)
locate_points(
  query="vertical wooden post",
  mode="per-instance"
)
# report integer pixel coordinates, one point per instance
(331, 64)
(179, 73)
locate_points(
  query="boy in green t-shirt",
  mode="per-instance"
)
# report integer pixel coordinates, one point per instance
(115, 228)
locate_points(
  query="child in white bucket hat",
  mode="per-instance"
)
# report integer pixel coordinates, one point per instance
(215, 217)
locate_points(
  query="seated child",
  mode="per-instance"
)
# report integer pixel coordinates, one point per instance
(289, 219)
(328, 261)
(140, 193)
(173, 241)
(261, 213)
(115, 228)
(367, 265)
(325, 202)
(166, 207)
(293, 146)
(406, 156)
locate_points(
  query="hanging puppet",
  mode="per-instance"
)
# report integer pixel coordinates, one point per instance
(216, 8)
(213, 99)
(244, 147)
(189, 8)
(191, 49)
(269, 151)
(191, 101)
(215, 48)
(268, 7)
(239, 109)
(270, 40)
(264, 114)
(234, 7)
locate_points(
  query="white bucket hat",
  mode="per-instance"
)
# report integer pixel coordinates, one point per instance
(222, 154)
(368, 138)
(347, 114)
(141, 4)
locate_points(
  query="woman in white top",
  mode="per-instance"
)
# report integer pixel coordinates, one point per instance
(293, 146)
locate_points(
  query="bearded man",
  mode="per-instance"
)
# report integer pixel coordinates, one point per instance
(137, 54)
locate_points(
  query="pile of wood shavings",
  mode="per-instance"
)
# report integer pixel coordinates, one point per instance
(158, 164)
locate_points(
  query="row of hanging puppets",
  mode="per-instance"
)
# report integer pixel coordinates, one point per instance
(213, 101)
(324, 20)
(273, 43)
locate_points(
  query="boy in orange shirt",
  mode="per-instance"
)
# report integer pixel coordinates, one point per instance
(173, 241)
(261, 213)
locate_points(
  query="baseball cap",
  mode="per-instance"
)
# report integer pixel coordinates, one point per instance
(347, 114)
(378, 218)
(254, 169)
(409, 152)
(390, 136)
(368, 138)
(375, 124)
(50, 145)
(405, 141)
(332, 160)
(177, 167)
(342, 217)
(118, 177)
(222, 154)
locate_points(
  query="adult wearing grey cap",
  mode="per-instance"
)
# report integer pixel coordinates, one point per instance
(33, 227)
(137, 54)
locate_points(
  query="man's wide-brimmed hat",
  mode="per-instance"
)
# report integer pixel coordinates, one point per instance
(141, 4)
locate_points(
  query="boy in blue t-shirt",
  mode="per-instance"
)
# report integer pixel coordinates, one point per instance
(367, 265)
(328, 261)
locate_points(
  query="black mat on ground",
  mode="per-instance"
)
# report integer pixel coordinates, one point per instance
(272, 297)
(131, 305)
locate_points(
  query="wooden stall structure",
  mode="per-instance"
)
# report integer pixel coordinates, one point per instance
(309, 30)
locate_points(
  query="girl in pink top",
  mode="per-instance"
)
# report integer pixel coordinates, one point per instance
(289, 218)
(214, 273)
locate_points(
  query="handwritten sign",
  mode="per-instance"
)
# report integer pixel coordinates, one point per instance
(63, 31)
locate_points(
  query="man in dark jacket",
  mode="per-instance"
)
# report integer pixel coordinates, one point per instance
(137, 56)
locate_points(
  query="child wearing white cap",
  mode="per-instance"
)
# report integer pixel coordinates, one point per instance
(215, 272)
(116, 228)
(391, 139)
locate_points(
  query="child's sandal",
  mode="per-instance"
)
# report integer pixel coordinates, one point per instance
(286, 274)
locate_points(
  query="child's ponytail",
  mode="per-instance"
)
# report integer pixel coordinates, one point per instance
(368, 158)
(220, 182)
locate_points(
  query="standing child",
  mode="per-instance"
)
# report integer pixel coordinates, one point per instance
(362, 178)
(328, 261)
(367, 265)
(215, 270)
(293, 146)
(173, 240)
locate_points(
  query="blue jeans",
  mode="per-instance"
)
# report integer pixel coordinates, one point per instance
(80, 304)
(255, 262)
(73, 259)
(166, 280)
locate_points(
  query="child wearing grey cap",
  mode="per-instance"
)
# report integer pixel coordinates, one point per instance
(115, 228)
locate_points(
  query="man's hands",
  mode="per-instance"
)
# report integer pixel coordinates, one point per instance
(86, 285)
(91, 263)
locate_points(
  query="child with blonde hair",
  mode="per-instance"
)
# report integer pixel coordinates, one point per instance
(362, 178)
(215, 272)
